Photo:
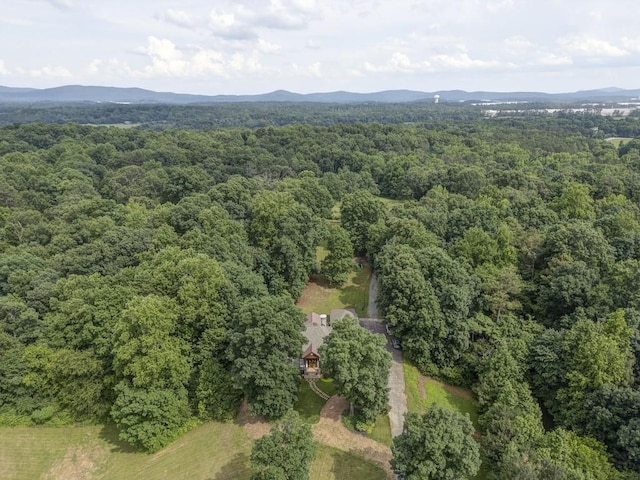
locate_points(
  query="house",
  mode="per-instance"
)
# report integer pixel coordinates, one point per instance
(317, 327)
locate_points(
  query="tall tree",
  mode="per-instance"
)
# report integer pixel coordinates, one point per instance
(359, 211)
(265, 339)
(339, 262)
(359, 364)
(151, 405)
(286, 453)
(437, 445)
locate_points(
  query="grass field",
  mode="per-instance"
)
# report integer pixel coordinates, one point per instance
(309, 403)
(213, 451)
(381, 431)
(423, 392)
(334, 464)
(320, 298)
(618, 140)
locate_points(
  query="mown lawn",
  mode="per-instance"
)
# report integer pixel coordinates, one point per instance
(211, 451)
(443, 395)
(321, 298)
(214, 451)
(309, 404)
(619, 140)
(381, 432)
(334, 464)
(440, 393)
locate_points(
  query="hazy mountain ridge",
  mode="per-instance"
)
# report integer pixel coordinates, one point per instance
(95, 94)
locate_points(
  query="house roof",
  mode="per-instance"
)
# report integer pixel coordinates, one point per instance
(315, 333)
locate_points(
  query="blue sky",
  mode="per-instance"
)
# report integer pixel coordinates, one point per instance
(256, 46)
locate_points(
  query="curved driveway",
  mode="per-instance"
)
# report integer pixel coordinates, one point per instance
(397, 397)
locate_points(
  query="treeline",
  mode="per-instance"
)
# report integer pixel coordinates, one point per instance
(274, 114)
(150, 277)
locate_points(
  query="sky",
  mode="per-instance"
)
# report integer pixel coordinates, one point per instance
(257, 46)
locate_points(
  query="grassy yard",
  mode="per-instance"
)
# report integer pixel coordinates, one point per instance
(309, 403)
(214, 451)
(320, 298)
(381, 431)
(423, 391)
(334, 464)
(619, 140)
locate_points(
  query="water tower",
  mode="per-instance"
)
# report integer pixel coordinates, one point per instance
(436, 98)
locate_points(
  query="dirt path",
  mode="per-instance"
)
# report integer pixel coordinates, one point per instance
(330, 431)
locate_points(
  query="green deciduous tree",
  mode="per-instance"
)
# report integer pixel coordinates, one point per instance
(359, 364)
(437, 445)
(151, 405)
(286, 453)
(359, 211)
(264, 342)
(151, 417)
(336, 265)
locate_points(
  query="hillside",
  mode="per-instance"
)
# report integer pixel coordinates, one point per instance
(95, 94)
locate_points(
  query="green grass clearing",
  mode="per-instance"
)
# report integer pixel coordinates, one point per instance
(617, 141)
(309, 404)
(435, 391)
(320, 298)
(334, 464)
(443, 395)
(213, 451)
(381, 432)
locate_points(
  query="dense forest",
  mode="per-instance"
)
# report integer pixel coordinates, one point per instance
(144, 273)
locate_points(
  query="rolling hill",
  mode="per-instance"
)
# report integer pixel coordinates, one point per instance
(101, 94)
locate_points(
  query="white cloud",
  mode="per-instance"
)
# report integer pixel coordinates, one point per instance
(631, 44)
(240, 20)
(267, 47)
(591, 47)
(227, 25)
(316, 69)
(3, 69)
(51, 72)
(169, 61)
(462, 61)
(518, 44)
(401, 63)
(62, 4)
(551, 59)
(112, 67)
(179, 18)
(312, 70)
(498, 5)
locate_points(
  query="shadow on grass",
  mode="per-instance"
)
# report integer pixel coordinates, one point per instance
(235, 469)
(109, 433)
(348, 465)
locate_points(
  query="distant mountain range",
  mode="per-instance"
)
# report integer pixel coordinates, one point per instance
(78, 93)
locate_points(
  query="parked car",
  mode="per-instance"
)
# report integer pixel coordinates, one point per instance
(387, 328)
(395, 342)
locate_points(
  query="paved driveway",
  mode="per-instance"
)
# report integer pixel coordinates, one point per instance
(397, 397)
